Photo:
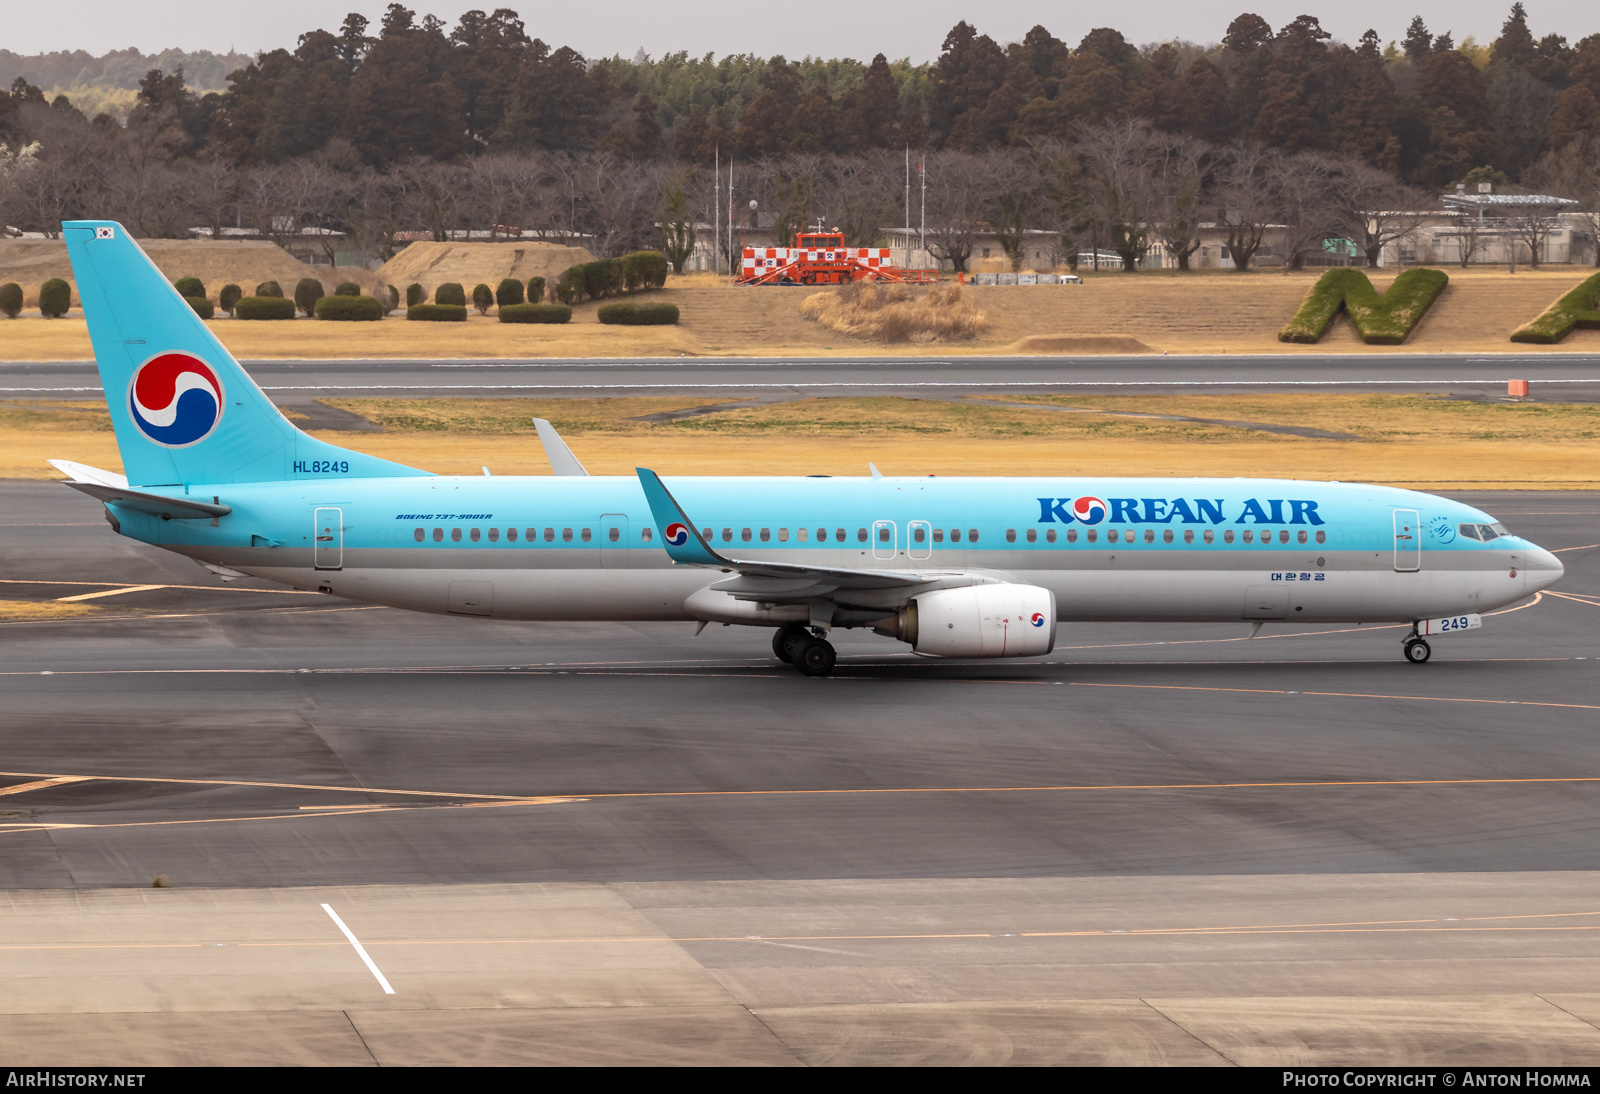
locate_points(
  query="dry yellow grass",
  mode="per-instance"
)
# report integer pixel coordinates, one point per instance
(13, 611)
(1433, 443)
(1195, 313)
(892, 313)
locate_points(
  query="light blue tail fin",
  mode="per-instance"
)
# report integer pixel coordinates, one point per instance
(184, 411)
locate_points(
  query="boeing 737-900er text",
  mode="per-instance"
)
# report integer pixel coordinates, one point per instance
(955, 567)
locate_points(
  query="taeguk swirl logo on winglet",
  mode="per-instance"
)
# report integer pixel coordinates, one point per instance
(175, 399)
(677, 535)
(1089, 510)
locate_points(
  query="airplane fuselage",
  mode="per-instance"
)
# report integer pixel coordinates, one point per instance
(542, 548)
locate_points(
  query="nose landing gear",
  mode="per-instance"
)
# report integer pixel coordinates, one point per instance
(797, 645)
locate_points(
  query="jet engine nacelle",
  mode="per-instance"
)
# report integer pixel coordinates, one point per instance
(979, 621)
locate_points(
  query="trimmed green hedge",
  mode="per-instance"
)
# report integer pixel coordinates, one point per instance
(535, 290)
(613, 276)
(1575, 310)
(450, 294)
(10, 299)
(269, 288)
(415, 295)
(202, 306)
(349, 309)
(639, 315)
(55, 298)
(438, 313)
(347, 288)
(264, 307)
(1384, 320)
(482, 298)
(509, 293)
(229, 297)
(535, 313)
(189, 286)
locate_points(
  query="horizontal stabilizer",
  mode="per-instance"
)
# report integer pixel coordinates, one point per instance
(82, 472)
(158, 505)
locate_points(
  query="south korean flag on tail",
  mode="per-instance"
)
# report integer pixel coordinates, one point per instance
(105, 233)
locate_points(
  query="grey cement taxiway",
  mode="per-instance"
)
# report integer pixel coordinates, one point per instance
(1555, 376)
(596, 843)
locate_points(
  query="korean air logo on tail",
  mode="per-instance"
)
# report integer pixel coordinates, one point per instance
(175, 399)
(1089, 510)
(677, 535)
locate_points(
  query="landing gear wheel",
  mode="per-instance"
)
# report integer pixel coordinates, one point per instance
(814, 657)
(1417, 651)
(786, 639)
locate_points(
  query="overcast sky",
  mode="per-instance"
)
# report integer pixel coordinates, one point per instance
(828, 28)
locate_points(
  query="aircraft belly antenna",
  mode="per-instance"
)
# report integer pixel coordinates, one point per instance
(562, 461)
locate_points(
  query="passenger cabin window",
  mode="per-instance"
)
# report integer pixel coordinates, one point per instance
(420, 535)
(955, 535)
(744, 534)
(1033, 535)
(646, 535)
(566, 535)
(1072, 535)
(1011, 535)
(511, 535)
(1322, 537)
(455, 535)
(841, 534)
(1227, 536)
(549, 535)
(1210, 536)
(1188, 535)
(861, 535)
(1150, 535)
(1091, 535)
(476, 535)
(1283, 536)
(586, 535)
(1050, 535)
(766, 535)
(1302, 537)
(972, 535)
(883, 535)
(438, 535)
(938, 535)
(800, 535)
(783, 535)
(705, 534)
(614, 534)
(1112, 535)
(727, 535)
(919, 534)
(1249, 536)
(494, 535)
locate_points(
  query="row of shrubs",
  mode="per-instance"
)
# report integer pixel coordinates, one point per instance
(612, 277)
(1380, 320)
(55, 298)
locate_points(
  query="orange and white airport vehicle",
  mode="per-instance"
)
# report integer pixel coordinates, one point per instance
(821, 258)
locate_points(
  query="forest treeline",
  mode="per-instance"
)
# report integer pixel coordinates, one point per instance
(1424, 107)
(412, 125)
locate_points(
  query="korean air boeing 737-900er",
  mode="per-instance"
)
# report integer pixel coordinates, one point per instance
(954, 567)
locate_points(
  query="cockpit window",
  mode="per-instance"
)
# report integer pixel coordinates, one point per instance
(1483, 532)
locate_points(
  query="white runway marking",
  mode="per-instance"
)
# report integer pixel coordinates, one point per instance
(360, 949)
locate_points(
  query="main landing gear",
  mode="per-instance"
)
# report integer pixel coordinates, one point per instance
(807, 651)
(1417, 649)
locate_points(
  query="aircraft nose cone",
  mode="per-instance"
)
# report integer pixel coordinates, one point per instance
(1542, 568)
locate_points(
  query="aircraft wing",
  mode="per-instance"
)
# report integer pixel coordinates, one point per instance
(776, 581)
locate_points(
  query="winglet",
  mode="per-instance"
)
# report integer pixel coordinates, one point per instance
(562, 461)
(679, 536)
